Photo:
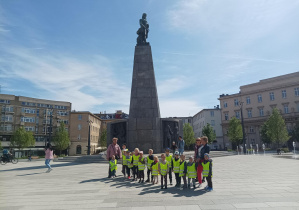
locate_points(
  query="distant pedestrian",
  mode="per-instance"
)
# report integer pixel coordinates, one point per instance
(181, 145)
(113, 149)
(173, 147)
(48, 156)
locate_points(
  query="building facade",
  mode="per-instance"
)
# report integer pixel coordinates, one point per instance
(40, 116)
(80, 122)
(213, 117)
(257, 101)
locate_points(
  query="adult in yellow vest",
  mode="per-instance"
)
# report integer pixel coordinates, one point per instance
(207, 171)
(163, 170)
(169, 160)
(141, 167)
(191, 172)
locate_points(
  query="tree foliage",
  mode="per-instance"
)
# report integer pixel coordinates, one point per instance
(264, 137)
(61, 138)
(103, 138)
(22, 138)
(188, 135)
(276, 128)
(209, 132)
(235, 133)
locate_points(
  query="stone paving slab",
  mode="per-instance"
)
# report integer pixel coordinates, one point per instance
(240, 182)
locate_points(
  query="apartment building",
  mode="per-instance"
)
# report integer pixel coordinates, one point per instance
(39, 116)
(213, 117)
(257, 101)
(80, 123)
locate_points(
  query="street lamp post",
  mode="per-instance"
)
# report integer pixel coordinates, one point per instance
(243, 129)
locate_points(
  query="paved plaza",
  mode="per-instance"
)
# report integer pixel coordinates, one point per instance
(240, 182)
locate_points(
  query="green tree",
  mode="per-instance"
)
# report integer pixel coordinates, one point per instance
(0, 146)
(22, 138)
(209, 132)
(61, 138)
(188, 135)
(235, 133)
(103, 138)
(264, 137)
(276, 128)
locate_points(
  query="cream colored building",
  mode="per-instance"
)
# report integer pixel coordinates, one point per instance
(79, 130)
(257, 101)
(34, 115)
(213, 117)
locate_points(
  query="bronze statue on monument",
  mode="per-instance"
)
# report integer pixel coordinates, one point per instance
(143, 31)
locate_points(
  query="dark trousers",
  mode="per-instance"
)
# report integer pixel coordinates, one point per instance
(184, 179)
(124, 169)
(148, 174)
(128, 171)
(170, 176)
(209, 180)
(165, 180)
(141, 174)
(177, 178)
(135, 171)
(112, 173)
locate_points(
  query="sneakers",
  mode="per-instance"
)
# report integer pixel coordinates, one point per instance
(147, 180)
(206, 187)
(139, 181)
(199, 185)
(194, 186)
(165, 187)
(209, 189)
(48, 171)
(170, 183)
(129, 177)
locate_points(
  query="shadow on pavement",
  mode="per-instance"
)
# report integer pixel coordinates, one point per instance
(30, 174)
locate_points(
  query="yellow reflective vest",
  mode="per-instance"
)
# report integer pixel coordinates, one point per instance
(182, 168)
(141, 166)
(169, 160)
(176, 166)
(129, 162)
(125, 162)
(163, 168)
(155, 169)
(206, 169)
(135, 160)
(113, 165)
(149, 162)
(191, 171)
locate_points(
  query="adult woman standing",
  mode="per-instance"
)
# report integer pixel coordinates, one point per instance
(201, 148)
(48, 156)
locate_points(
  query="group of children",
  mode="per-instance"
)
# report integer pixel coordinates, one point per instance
(134, 163)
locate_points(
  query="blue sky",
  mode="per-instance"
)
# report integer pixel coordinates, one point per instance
(82, 51)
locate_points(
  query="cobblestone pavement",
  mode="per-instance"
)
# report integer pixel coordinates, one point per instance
(240, 182)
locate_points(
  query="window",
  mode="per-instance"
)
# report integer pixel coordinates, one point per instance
(212, 113)
(79, 137)
(66, 122)
(253, 142)
(28, 104)
(249, 112)
(224, 104)
(251, 129)
(7, 108)
(6, 127)
(236, 102)
(261, 110)
(29, 128)
(28, 119)
(28, 110)
(237, 114)
(271, 96)
(248, 100)
(297, 91)
(2, 101)
(62, 113)
(226, 116)
(79, 127)
(79, 117)
(213, 122)
(259, 98)
(284, 93)
(286, 108)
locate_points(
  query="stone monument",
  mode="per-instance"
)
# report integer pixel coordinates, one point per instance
(145, 128)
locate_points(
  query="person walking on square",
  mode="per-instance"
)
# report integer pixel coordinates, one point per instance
(48, 156)
(135, 164)
(207, 171)
(141, 167)
(155, 170)
(181, 145)
(183, 172)
(201, 148)
(173, 147)
(169, 160)
(163, 169)
(113, 166)
(129, 159)
(175, 166)
(113, 149)
(124, 161)
(191, 172)
(149, 161)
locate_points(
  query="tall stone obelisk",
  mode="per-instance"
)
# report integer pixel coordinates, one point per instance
(144, 127)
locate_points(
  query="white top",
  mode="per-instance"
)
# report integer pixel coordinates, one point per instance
(199, 150)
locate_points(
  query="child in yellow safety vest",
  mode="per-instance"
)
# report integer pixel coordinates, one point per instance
(175, 166)
(129, 163)
(207, 171)
(124, 161)
(149, 161)
(113, 166)
(191, 172)
(141, 167)
(169, 160)
(183, 172)
(163, 169)
(155, 170)
(135, 164)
